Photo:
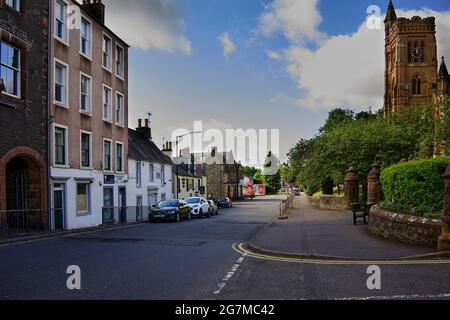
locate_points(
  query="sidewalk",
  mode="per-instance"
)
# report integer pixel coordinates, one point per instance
(310, 231)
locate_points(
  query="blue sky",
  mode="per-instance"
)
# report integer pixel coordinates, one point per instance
(191, 79)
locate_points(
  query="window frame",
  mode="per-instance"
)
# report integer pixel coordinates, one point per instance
(88, 199)
(111, 156)
(89, 112)
(83, 132)
(111, 54)
(66, 145)
(151, 173)
(89, 54)
(120, 124)
(64, 104)
(17, 7)
(122, 154)
(18, 70)
(138, 174)
(66, 29)
(118, 75)
(111, 120)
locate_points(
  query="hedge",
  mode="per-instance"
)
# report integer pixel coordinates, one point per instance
(416, 184)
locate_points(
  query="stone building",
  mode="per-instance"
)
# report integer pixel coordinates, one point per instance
(411, 75)
(89, 112)
(223, 172)
(23, 106)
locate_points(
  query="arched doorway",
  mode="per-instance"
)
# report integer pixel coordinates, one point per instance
(24, 200)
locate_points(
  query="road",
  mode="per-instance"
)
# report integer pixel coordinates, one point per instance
(194, 260)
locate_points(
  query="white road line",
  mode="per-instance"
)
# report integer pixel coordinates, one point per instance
(229, 275)
(400, 297)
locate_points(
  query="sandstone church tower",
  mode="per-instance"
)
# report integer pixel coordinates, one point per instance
(411, 76)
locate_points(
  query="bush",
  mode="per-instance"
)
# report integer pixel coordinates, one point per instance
(417, 185)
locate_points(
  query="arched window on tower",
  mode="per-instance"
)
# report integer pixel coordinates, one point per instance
(416, 86)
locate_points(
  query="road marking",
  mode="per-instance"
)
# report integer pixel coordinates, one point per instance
(229, 275)
(400, 297)
(241, 250)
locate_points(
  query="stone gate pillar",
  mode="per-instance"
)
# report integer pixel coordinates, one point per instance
(444, 239)
(351, 188)
(374, 185)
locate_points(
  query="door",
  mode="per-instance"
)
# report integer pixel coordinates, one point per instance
(58, 206)
(123, 204)
(139, 216)
(108, 205)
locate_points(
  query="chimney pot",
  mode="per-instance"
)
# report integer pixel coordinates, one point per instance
(140, 123)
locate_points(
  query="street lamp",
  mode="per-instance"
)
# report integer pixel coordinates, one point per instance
(178, 138)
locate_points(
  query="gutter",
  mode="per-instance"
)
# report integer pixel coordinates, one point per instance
(49, 115)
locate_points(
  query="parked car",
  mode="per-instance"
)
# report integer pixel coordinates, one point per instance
(214, 208)
(199, 207)
(170, 210)
(224, 203)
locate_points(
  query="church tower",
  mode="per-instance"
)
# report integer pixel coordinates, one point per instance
(411, 76)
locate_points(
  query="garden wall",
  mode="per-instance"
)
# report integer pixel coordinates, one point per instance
(326, 202)
(405, 228)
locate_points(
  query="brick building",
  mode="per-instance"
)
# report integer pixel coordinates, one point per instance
(23, 105)
(89, 111)
(412, 76)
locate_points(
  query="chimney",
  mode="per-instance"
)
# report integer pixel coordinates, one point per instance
(145, 130)
(96, 9)
(167, 149)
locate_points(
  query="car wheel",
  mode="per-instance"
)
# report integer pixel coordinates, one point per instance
(208, 215)
(189, 216)
(177, 217)
(200, 215)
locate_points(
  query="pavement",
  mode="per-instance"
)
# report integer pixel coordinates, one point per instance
(318, 233)
(195, 260)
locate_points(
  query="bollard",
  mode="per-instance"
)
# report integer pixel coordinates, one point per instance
(444, 239)
(351, 188)
(374, 185)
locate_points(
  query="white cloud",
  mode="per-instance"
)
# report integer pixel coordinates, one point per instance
(228, 45)
(150, 24)
(274, 55)
(348, 70)
(297, 20)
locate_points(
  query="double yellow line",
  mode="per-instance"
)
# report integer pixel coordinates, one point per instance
(240, 248)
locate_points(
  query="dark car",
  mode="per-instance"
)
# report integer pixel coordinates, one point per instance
(224, 203)
(170, 210)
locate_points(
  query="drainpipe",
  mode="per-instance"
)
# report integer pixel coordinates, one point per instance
(49, 115)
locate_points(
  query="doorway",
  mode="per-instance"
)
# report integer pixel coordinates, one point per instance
(123, 204)
(59, 204)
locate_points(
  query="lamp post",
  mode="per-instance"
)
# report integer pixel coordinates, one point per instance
(178, 138)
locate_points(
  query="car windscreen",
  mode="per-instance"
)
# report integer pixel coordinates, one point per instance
(192, 200)
(223, 199)
(168, 204)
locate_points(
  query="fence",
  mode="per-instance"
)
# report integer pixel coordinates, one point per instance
(121, 215)
(22, 223)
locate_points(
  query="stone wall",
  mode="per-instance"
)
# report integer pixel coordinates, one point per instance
(313, 202)
(328, 202)
(404, 228)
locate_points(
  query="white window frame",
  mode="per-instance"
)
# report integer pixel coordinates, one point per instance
(14, 5)
(118, 75)
(111, 169)
(89, 54)
(109, 67)
(110, 120)
(138, 174)
(88, 199)
(118, 123)
(66, 142)
(122, 156)
(151, 172)
(81, 149)
(64, 104)
(65, 39)
(18, 70)
(88, 112)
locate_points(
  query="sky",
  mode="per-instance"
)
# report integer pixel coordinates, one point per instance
(261, 64)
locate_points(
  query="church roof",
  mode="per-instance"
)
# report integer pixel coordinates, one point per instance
(443, 71)
(391, 15)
